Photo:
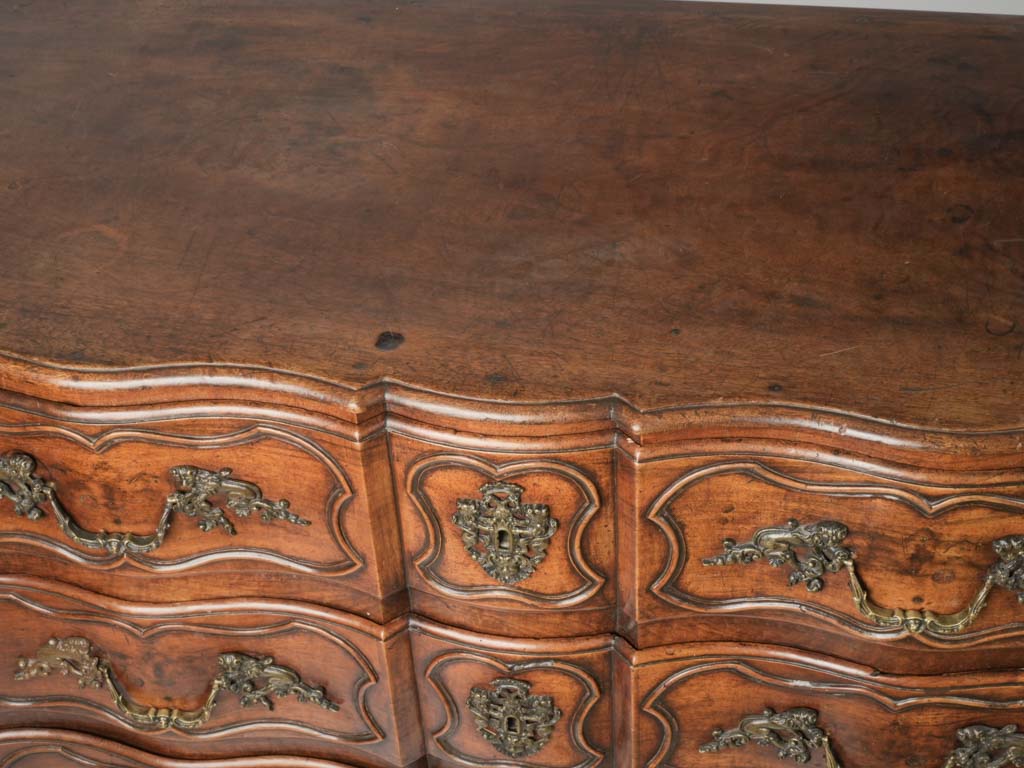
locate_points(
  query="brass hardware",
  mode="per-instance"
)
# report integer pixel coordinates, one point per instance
(508, 538)
(254, 679)
(196, 487)
(816, 549)
(794, 733)
(512, 720)
(982, 746)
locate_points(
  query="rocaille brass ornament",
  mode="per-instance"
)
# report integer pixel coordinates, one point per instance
(794, 733)
(816, 549)
(982, 746)
(507, 538)
(514, 721)
(254, 679)
(195, 488)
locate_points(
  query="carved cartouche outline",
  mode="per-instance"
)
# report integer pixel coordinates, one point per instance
(431, 553)
(889, 695)
(574, 716)
(336, 503)
(663, 586)
(172, 620)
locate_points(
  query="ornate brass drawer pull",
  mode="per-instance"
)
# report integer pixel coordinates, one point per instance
(982, 746)
(507, 538)
(816, 549)
(513, 721)
(20, 484)
(794, 733)
(253, 679)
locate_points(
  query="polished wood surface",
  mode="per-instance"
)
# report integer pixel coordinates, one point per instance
(678, 695)
(528, 201)
(167, 656)
(527, 308)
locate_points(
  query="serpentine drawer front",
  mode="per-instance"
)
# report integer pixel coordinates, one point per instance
(228, 507)
(524, 536)
(820, 550)
(510, 384)
(234, 675)
(754, 706)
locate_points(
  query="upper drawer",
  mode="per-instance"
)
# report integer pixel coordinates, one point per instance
(220, 506)
(912, 561)
(527, 537)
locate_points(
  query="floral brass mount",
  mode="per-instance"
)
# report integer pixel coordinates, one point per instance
(816, 549)
(795, 734)
(254, 679)
(507, 538)
(512, 720)
(982, 746)
(20, 484)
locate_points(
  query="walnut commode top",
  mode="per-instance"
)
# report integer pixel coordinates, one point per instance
(475, 384)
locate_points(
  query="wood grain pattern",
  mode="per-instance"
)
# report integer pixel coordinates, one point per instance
(681, 693)
(682, 271)
(52, 748)
(166, 655)
(111, 467)
(672, 180)
(576, 673)
(571, 583)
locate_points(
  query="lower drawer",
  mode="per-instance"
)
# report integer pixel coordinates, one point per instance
(211, 679)
(51, 748)
(755, 706)
(499, 702)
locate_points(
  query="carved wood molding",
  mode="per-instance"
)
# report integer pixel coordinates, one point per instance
(76, 607)
(439, 530)
(181, 390)
(892, 693)
(254, 679)
(455, 710)
(349, 562)
(72, 749)
(659, 512)
(816, 549)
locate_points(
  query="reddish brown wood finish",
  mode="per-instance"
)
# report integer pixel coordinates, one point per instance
(575, 672)
(680, 270)
(166, 656)
(574, 585)
(549, 201)
(50, 748)
(922, 539)
(677, 695)
(112, 474)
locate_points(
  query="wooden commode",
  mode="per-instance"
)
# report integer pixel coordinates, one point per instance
(532, 383)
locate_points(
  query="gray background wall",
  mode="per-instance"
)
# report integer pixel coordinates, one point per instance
(967, 6)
